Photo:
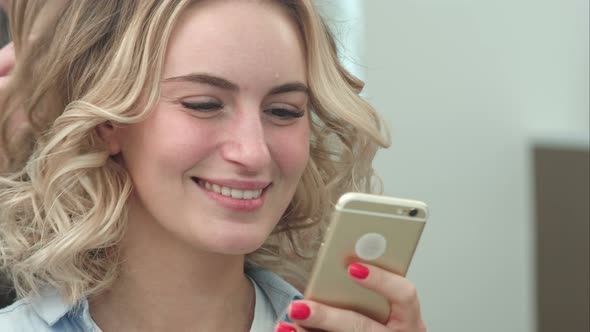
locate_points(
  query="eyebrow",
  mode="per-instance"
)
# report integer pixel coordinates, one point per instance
(227, 85)
(289, 87)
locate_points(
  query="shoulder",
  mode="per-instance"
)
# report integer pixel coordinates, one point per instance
(44, 313)
(279, 292)
(20, 316)
(272, 283)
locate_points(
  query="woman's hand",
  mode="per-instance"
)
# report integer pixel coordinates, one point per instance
(405, 313)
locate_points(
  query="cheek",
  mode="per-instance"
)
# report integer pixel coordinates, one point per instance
(291, 152)
(166, 143)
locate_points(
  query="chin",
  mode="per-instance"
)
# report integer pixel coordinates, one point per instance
(242, 248)
(237, 244)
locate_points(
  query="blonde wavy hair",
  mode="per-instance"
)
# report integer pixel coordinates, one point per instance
(63, 199)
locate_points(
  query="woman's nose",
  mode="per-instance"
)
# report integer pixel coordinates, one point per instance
(246, 144)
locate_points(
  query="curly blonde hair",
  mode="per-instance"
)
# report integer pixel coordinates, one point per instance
(63, 199)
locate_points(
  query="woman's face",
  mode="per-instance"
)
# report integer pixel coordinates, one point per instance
(218, 161)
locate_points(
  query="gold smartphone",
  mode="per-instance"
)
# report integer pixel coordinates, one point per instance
(378, 230)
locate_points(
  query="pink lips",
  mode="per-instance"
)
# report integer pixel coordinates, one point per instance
(244, 205)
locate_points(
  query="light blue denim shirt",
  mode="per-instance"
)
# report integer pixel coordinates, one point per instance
(50, 314)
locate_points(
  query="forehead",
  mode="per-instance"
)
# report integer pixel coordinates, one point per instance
(238, 40)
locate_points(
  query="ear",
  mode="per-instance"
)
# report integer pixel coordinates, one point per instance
(109, 135)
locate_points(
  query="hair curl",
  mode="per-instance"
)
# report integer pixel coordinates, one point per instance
(63, 200)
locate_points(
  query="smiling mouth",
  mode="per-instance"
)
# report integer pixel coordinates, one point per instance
(229, 192)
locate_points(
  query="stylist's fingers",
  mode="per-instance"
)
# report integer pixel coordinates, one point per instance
(7, 59)
(18, 119)
(6, 63)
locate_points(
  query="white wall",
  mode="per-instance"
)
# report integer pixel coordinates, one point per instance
(466, 86)
(346, 18)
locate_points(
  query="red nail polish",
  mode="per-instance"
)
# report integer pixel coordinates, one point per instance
(299, 311)
(358, 271)
(285, 327)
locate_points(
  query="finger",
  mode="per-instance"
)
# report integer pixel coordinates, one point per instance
(314, 315)
(400, 292)
(288, 327)
(6, 59)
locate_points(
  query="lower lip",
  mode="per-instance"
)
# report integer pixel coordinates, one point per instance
(245, 205)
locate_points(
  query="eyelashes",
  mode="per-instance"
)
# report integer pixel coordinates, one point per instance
(209, 109)
(284, 113)
(202, 107)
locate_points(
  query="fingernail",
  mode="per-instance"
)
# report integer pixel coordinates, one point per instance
(286, 317)
(284, 327)
(299, 311)
(358, 271)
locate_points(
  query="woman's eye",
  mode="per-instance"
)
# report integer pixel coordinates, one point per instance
(284, 114)
(204, 107)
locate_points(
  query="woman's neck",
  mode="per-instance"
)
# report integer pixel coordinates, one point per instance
(167, 285)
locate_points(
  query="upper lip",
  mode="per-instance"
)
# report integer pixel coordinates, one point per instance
(237, 184)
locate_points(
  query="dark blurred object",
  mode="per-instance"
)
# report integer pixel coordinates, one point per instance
(4, 35)
(7, 294)
(562, 185)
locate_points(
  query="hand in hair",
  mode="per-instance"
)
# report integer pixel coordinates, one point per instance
(6, 63)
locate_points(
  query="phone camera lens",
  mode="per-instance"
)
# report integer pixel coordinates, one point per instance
(413, 212)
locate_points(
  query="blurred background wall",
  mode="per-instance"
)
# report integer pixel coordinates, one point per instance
(471, 89)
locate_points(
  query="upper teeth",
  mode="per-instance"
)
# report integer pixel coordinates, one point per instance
(231, 192)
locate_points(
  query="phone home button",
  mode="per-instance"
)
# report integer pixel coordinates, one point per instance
(370, 246)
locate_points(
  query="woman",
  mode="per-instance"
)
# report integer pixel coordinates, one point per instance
(187, 149)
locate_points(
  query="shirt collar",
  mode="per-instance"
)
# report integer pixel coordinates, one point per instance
(51, 307)
(279, 292)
